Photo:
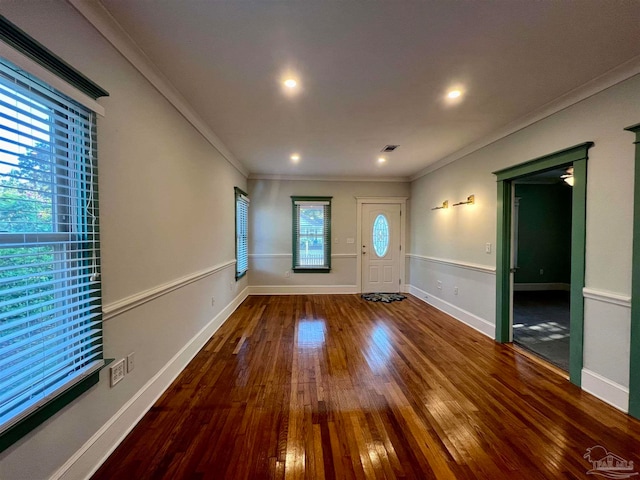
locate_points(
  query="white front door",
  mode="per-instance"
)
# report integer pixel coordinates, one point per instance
(380, 248)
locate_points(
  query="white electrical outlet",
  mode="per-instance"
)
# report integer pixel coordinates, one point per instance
(455, 290)
(487, 248)
(439, 285)
(117, 372)
(131, 362)
(350, 240)
(287, 274)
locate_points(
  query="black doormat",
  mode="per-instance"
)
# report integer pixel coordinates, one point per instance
(383, 297)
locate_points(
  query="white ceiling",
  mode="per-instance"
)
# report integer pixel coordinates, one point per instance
(373, 73)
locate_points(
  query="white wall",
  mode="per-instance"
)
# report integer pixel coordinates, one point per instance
(459, 234)
(167, 213)
(270, 233)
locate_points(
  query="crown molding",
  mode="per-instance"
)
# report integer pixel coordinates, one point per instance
(617, 75)
(100, 18)
(311, 178)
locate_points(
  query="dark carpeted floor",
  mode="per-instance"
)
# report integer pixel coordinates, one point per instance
(541, 324)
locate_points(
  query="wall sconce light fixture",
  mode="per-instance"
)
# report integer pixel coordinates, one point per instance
(445, 204)
(568, 177)
(471, 199)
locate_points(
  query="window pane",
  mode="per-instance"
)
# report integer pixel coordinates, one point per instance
(311, 236)
(242, 254)
(380, 235)
(50, 307)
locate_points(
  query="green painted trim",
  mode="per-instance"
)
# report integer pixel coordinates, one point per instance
(30, 422)
(294, 234)
(503, 262)
(636, 129)
(634, 357)
(20, 41)
(295, 268)
(546, 162)
(576, 156)
(578, 248)
(311, 270)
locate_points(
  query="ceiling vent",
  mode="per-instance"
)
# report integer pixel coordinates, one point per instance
(389, 148)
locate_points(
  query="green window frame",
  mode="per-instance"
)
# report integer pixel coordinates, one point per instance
(50, 282)
(311, 234)
(242, 231)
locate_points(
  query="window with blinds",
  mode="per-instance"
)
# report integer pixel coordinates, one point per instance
(242, 220)
(311, 234)
(50, 301)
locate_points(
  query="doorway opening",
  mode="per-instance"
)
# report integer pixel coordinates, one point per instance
(541, 264)
(577, 157)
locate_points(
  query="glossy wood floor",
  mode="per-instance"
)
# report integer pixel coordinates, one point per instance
(336, 387)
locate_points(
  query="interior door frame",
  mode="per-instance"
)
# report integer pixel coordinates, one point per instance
(576, 156)
(634, 351)
(360, 201)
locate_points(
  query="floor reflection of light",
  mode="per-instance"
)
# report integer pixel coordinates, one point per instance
(311, 333)
(544, 331)
(380, 348)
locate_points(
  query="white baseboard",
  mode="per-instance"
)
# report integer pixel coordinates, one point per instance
(609, 392)
(468, 318)
(537, 287)
(97, 449)
(302, 289)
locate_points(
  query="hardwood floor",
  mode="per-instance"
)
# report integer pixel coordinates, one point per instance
(332, 386)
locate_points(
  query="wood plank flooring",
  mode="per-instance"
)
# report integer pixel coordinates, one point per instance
(335, 387)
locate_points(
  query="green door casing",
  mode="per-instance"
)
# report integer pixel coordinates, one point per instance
(634, 358)
(576, 156)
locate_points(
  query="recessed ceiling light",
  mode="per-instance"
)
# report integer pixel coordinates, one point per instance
(290, 83)
(295, 158)
(381, 159)
(454, 94)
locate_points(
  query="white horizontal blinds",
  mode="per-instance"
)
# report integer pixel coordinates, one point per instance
(242, 222)
(311, 232)
(50, 305)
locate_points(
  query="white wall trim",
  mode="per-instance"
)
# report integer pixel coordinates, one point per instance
(610, 392)
(302, 289)
(537, 287)
(608, 79)
(120, 306)
(95, 451)
(311, 178)
(34, 68)
(468, 318)
(391, 200)
(288, 255)
(98, 16)
(455, 263)
(607, 297)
